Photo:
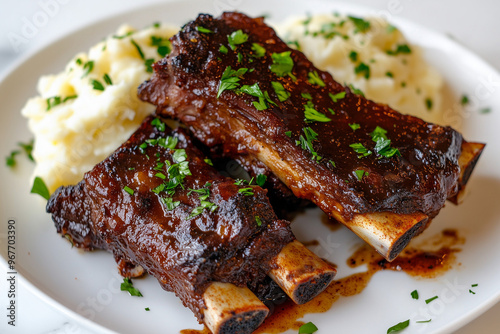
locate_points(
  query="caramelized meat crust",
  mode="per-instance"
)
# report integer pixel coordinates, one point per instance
(340, 168)
(121, 206)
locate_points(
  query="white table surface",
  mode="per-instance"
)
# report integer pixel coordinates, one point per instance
(474, 24)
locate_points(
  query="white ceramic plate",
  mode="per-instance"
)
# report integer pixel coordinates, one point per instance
(85, 286)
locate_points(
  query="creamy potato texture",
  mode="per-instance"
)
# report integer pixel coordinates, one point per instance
(371, 55)
(85, 112)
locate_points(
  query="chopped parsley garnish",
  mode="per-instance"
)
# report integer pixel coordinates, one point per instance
(363, 69)
(138, 48)
(399, 327)
(246, 191)
(147, 309)
(465, 100)
(254, 90)
(204, 194)
(360, 24)
(390, 29)
(107, 79)
(97, 85)
(169, 203)
(157, 123)
(89, 66)
(124, 35)
(208, 162)
(414, 294)
(259, 50)
(161, 176)
(423, 321)
(308, 328)
(230, 79)
(336, 97)
(312, 115)
(306, 142)
(470, 291)
(148, 63)
(40, 188)
(282, 64)
(128, 190)
(258, 221)
(78, 61)
(428, 103)
(163, 45)
(389, 74)
(383, 144)
(474, 285)
(223, 49)
(356, 90)
(204, 30)
(288, 133)
(280, 91)
(354, 126)
(128, 286)
(485, 110)
(333, 163)
(28, 148)
(10, 160)
(315, 79)
(360, 173)
(56, 100)
(360, 149)
(427, 301)
(306, 96)
(236, 38)
(400, 49)
(261, 180)
(353, 55)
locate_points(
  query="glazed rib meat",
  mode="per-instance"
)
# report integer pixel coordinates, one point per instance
(361, 162)
(156, 204)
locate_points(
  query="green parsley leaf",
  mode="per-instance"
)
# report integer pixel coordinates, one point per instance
(163, 45)
(308, 328)
(78, 61)
(223, 49)
(360, 173)
(40, 188)
(203, 205)
(259, 50)
(236, 38)
(138, 48)
(360, 149)
(254, 90)
(474, 285)
(89, 66)
(336, 97)
(129, 190)
(389, 74)
(354, 126)
(107, 79)
(258, 221)
(71, 97)
(169, 203)
(280, 91)
(204, 30)
(360, 24)
(312, 115)
(428, 103)
(124, 35)
(282, 64)
(485, 110)
(230, 79)
(414, 294)
(465, 100)
(427, 301)
(353, 55)
(148, 63)
(261, 180)
(10, 160)
(399, 327)
(315, 79)
(147, 309)
(400, 49)
(97, 85)
(470, 291)
(306, 142)
(423, 321)
(363, 69)
(208, 162)
(306, 96)
(52, 102)
(288, 133)
(356, 90)
(128, 286)
(383, 144)
(246, 191)
(157, 123)
(161, 176)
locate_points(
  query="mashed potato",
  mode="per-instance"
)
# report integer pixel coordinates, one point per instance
(373, 56)
(84, 113)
